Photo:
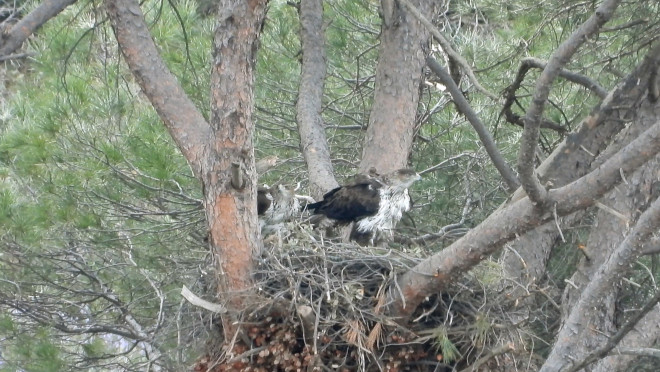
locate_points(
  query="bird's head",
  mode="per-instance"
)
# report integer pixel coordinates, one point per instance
(403, 178)
(282, 192)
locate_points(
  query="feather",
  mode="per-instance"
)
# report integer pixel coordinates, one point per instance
(376, 203)
(275, 206)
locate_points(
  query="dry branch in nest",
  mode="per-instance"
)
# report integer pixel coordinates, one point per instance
(324, 312)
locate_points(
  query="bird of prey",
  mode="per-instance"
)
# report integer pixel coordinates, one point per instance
(275, 206)
(374, 202)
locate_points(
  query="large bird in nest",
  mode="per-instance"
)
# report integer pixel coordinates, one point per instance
(374, 202)
(275, 206)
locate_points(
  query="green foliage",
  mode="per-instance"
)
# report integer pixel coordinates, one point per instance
(94, 196)
(444, 345)
(33, 352)
(95, 348)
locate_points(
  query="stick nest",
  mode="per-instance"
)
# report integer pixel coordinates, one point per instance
(322, 309)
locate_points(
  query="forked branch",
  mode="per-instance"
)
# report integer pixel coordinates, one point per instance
(436, 272)
(532, 120)
(525, 65)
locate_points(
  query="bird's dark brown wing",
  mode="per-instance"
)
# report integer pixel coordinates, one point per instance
(349, 203)
(263, 200)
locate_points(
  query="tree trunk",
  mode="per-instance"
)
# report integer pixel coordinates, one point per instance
(230, 176)
(389, 136)
(591, 313)
(221, 154)
(313, 142)
(13, 38)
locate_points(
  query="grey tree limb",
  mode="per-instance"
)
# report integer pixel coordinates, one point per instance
(14, 38)
(486, 138)
(313, 142)
(653, 214)
(439, 270)
(533, 117)
(183, 120)
(447, 48)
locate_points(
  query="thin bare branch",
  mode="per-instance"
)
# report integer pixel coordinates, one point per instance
(16, 56)
(491, 354)
(447, 48)
(200, 302)
(571, 76)
(510, 99)
(443, 163)
(484, 135)
(639, 351)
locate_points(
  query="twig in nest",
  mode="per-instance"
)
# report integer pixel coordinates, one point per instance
(199, 302)
(491, 354)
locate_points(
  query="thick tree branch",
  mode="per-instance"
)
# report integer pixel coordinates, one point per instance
(14, 38)
(580, 152)
(484, 135)
(530, 137)
(575, 156)
(183, 120)
(613, 270)
(436, 272)
(447, 48)
(313, 142)
(645, 334)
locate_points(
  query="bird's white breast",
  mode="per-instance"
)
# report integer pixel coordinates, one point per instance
(392, 205)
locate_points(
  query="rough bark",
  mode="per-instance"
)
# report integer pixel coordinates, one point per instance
(645, 333)
(586, 315)
(389, 136)
(609, 228)
(230, 201)
(612, 341)
(220, 154)
(14, 38)
(313, 142)
(573, 158)
(438, 271)
(609, 231)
